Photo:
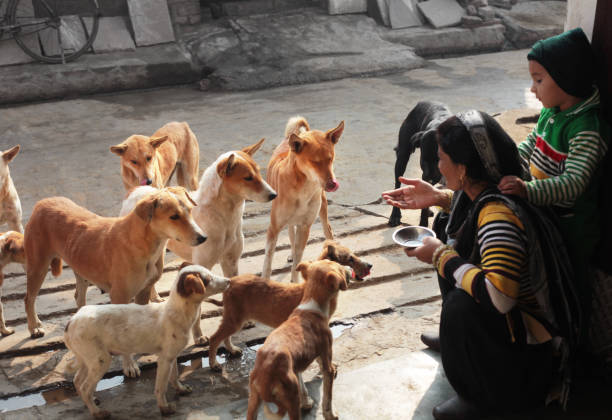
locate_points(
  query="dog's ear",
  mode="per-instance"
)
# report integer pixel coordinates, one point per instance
(250, 150)
(335, 133)
(303, 267)
(296, 143)
(146, 207)
(119, 149)
(225, 167)
(329, 250)
(191, 200)
(9, 154)
(335, 282)
(8, 247)
(190, 283)
(157, 141)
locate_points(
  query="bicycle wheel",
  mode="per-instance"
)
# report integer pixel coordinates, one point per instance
(54, 31)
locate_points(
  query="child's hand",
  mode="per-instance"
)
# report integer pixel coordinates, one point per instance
(512, 185)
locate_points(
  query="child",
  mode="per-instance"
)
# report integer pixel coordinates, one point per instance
(566, 146)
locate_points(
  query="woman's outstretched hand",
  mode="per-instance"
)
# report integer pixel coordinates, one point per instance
(417, 194)
(425, 251)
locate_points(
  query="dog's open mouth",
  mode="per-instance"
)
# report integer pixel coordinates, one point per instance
(331, 185)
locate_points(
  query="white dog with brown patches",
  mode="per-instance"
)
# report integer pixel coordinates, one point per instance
(10, 206)
(96, 332)
(224, 187)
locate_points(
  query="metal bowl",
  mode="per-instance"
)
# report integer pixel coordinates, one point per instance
(412, 236)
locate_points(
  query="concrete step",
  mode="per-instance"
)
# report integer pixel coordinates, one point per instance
(235, 8)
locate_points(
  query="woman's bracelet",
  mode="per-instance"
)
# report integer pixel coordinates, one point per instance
(435, 257)
(449, 196)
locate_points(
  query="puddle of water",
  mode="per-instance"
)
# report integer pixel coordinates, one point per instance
(338, 329)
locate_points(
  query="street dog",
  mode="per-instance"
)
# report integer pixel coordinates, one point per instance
(11, 251)
(224, 187)
(153, 160)
(250, 298)
(276, 376)
(10, 207)
(301, 171)
(119, 255)
(96, 332)
(419, 130)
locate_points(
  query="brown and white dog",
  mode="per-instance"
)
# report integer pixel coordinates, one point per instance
(275, 378)
(117, 254)
(96, 332)
(153, 160)
(301, 171)
(11, 251)
(224, 187)
(10, 205)
(249, 298)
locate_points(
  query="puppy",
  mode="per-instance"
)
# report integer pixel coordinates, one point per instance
(153, 160)
(96, 332)
(296, 343)
(224, 187)
(119, 255)
(301, 170)
(11, 250)
(419, 130)
(249, 298)
(10, 207)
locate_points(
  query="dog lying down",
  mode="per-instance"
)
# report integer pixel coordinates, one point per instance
(96, 332)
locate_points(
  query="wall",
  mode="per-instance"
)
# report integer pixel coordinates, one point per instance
(581, 13)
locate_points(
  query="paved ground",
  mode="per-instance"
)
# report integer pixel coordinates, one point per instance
(384, 370)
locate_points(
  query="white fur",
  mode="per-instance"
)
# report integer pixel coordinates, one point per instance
(10, 205)
(96, 332)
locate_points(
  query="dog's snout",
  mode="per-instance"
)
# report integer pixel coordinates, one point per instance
(272, 196)
(200, 239)
(149, 181)
(332, 185)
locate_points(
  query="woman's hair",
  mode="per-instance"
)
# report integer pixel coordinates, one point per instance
(455, 141)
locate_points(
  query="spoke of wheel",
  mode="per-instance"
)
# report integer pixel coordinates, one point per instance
(59, 41)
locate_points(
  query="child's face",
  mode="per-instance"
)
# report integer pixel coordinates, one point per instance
(546, 89)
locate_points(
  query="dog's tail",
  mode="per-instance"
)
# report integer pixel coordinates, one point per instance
(56, 266)
(214, 301)
(296, 125)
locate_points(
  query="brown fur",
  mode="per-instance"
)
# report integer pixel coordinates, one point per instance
(250, 297)
(117, 254)
(11, 251)
(301, 171)
(283, 356)
(153, 160)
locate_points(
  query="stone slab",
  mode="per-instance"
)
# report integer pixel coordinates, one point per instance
(442, 13)
(404, 14)
(11, 52)
(113, 35)
(379, 11)
(150, 22)
(342, 7)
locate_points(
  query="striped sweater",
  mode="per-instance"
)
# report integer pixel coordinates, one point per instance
(499, 280)
(564, 150)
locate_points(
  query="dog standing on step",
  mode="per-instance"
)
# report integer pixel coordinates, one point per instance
(250, 297)
(301, 170)
(419, 130)
(10, 205)
(296, 343)
(153, 160)
(96, 332)
(224, 187)
(11, 251)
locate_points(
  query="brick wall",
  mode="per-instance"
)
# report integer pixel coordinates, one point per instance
(185, 11)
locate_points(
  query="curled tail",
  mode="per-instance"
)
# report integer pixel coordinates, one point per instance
(56, 266)
(296, 125)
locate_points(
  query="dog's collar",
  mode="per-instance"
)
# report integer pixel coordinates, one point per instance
(313, 305)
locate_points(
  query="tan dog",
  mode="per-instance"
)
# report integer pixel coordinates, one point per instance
(119, 255)
(275, 378)
(11, 251)
(96, 332)
(153, 160)
(10, 205)
(301, 171)
(249, 298)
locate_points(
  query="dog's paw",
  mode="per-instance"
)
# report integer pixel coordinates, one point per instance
(6, 331)
(235, 352)
(167, 410)
(216, 367)
(306, 403)
(157, 299)
(37, 332)
(289, 258)
(201, 341)
(102, 414)
(329, 415)
(183, 389)
(131, 369)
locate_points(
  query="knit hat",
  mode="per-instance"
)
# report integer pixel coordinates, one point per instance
(569, 60)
